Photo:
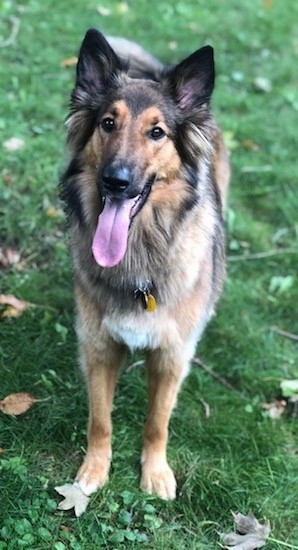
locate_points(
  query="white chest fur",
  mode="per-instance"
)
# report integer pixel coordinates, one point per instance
(142, 331)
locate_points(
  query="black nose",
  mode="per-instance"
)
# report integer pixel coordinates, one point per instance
(116, 179)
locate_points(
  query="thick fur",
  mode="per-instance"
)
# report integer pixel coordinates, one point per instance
(175, 243)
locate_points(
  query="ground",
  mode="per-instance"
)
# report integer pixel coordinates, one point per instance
(228, 454)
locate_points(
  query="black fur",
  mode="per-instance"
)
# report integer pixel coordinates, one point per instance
(97, 62)
(191, 82)
(69, 192)
(187, 205)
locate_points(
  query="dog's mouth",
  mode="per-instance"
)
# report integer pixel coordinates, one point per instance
(111, 236)
(142, 197)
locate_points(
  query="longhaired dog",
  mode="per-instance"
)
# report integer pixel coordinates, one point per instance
(145, 191)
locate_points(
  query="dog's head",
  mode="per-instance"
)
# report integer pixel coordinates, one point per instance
(136, 133)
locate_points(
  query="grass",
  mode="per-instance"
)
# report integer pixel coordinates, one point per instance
(238, 459)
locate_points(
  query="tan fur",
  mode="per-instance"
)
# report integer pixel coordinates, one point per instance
(167, 367)
(132, 137)
(101, 359)
(222, 170)
(180, 260)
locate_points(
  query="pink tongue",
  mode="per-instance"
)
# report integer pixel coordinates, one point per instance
(110, 239)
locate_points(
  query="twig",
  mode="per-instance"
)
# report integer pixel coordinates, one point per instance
(285, 333)
(206, 407)
(220, 379)
(197, 361)
(134, 365)
(14, 33)
(261, 255)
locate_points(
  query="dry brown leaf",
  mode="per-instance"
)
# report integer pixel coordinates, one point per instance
(15, 307)
(65, 528)
(52, 212)
(69, 62)
(2, 450)
(268, 4)
(73, 498)
(276, 409)
(7, 177)
(10, 257)
(251, 534)
(17, 403)
(250, 145)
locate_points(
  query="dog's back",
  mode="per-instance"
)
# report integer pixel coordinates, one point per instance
(140, 63)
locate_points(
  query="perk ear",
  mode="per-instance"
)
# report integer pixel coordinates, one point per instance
(97, 62)
(191, 82)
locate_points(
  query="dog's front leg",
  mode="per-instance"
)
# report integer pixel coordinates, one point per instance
(165, 374)
(101, 365)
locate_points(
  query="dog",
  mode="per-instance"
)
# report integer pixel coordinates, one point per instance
(145, 192)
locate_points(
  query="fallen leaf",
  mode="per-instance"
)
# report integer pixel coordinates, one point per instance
(280, 285)
(10, 257)
(250, 145)
(122, 7)
(262, 84)
(65, 528)
(275, 409)
(74, 498)
(172, 45)
(2, 450)
(69, 62)
(102, 10)
(193, 26)
(268, 4)
(7, 177)
(289, 387)
(17, 403)
(251, 534)
(15, 307)
(14, 144)
(53, 212)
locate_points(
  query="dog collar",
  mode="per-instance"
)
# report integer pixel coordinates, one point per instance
(143, 292)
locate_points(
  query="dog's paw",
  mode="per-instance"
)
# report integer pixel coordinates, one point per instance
(159, 481)
(93, 474)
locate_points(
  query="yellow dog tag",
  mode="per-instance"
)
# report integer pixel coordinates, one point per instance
(148, 300)
(151, 303)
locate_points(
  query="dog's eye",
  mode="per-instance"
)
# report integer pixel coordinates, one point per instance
(108, 124)
(157, 133)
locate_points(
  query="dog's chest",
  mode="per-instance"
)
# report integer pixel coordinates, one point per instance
(136, 332)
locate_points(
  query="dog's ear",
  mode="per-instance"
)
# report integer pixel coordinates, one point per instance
(191, 82)
(97, 63)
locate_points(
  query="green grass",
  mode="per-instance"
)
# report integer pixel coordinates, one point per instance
(238, 459)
